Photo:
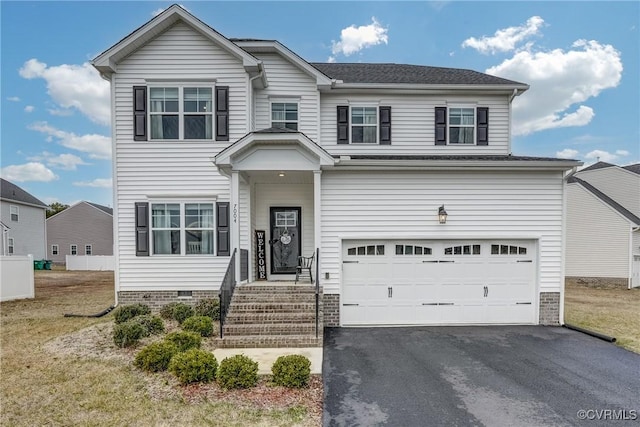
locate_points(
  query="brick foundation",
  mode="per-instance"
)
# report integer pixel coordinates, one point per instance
(157, 299)
(598, 282)
(549, 308)
(331, 309)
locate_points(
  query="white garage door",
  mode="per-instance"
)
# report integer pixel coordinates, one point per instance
(438, 282)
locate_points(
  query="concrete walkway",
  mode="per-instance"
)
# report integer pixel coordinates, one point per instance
(267, 356)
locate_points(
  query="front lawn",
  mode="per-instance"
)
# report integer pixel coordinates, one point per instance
(51, 376)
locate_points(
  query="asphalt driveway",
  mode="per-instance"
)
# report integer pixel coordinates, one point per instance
(477, 376)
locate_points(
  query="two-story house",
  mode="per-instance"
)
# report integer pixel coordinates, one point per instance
(400, 178)
(22, 218)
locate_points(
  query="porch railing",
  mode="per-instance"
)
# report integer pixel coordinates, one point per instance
(226, 290)
(317, 289)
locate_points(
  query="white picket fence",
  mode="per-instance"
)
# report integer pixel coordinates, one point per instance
(90, 262)
(16, 277)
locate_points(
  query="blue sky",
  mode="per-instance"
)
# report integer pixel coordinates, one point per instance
(580, 58)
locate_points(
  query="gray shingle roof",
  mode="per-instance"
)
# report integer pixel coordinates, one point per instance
(10, 191)
(598, 165)
(633, 168)
(459, 157)
(102, 208)
(408, 74)
(608, 200)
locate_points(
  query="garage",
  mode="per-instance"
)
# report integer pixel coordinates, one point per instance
(430, 282)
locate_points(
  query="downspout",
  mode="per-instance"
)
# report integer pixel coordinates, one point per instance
(251, 124)
(563, 249)
(513, 95)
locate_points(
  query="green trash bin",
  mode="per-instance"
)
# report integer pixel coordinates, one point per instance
(38, 264)
(47, 264)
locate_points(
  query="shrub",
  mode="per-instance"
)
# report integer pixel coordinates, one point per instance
(128, 333)
(156, 356)
(291, 371)
(194, 365)
(209, 307)
(182, 312)
(152, 324)
(237, 371)
(202, 325)
(184, 340)
(166, 312)
(127, 312)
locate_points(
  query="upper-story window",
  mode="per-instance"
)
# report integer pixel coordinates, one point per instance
(181, 112)
(14, 210)
(461, 125)
(364, 125)
(284, 115)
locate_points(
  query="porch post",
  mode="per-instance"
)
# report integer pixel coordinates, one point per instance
(235, 219)
(317, 210)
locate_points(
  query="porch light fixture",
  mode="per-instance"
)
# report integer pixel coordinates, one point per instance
(281, 174)
(442, 215)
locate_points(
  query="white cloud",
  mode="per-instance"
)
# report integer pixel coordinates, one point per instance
(605, 156)
(560, 82)
(32, 171)
(13, 99)
(29, 109)
(331, 59)
(353, 39)
(74, 86)
(96, 183)
(62, 112)
(62, 161)
(622, 153)
(97, 146)
(507, 39)
(567, 153)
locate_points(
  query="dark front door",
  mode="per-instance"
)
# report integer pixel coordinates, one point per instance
(285, 239)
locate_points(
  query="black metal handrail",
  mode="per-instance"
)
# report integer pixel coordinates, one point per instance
(317, 288)
(227, 287)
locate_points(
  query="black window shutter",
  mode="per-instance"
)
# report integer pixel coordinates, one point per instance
(222, 113)
(385, 125)
(222, 229)
(142, 229)
(441, 125)
(343, 124)
(482, 123)
(139, 113)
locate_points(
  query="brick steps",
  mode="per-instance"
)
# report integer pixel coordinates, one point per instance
(269, 341)
(237, 318)
(270, 329)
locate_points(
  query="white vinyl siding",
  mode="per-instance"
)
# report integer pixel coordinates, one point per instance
(413, 124)
(29, 233)
(481, 205)
(597, 237)
(621, 185)
(287, 81)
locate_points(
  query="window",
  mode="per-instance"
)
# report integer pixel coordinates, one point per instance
(182, 228)
(462, 126)
(54, 249)
(88, 250)
(462, 250)
(181, 112)
(508, 250)
(412, 250)
(14, 212)
(284, 115)
(366, 250)
(74, 249)
(364, 125)
(10, 245)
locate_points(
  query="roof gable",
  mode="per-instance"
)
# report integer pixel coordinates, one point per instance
(606, 199)
(107, 61)
(633, 168)
(598, 165)
(102, 209)
(11, 192)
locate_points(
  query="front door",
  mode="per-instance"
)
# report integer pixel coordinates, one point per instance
(285, 239)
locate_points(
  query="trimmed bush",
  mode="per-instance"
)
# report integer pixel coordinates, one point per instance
(184, 340)
(237, 371)
(152, 324)
(293, 370)
(194, 365)
(127, 312)
(209, 307)
(166, 312)
(156, 356)
(202, 325)
(182, 312)
(128, 333)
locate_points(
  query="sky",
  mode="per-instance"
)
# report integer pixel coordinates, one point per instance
(581, 59)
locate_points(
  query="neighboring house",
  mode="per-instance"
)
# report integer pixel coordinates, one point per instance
(23, 222)
(82, 229)
(217, 139)
(603, 225)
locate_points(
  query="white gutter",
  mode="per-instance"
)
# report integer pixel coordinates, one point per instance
(513, 95)
(250, 110)
(417, 86)
(456, 164)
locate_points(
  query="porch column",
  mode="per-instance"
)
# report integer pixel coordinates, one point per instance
(317, 211)
(235, 219)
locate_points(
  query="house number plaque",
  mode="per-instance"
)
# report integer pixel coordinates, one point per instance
(261, 256)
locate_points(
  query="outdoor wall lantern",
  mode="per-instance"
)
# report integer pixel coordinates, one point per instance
(442, 215)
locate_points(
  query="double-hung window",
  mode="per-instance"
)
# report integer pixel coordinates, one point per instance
(181, 112)
(284, 115)
(54, 249)
(462, 125)
(364, 125)
(88, 250)
(74, 249)
(14, 212)
(10, 245)
(182, 228)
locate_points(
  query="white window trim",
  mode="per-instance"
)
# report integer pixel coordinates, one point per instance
(10, 245)
(71, 249)
(475, 125)
(181, 85)
(295, 101)
(17, 213)
(183, 227)
(55, 250)
(90, 249)
(373, 105)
